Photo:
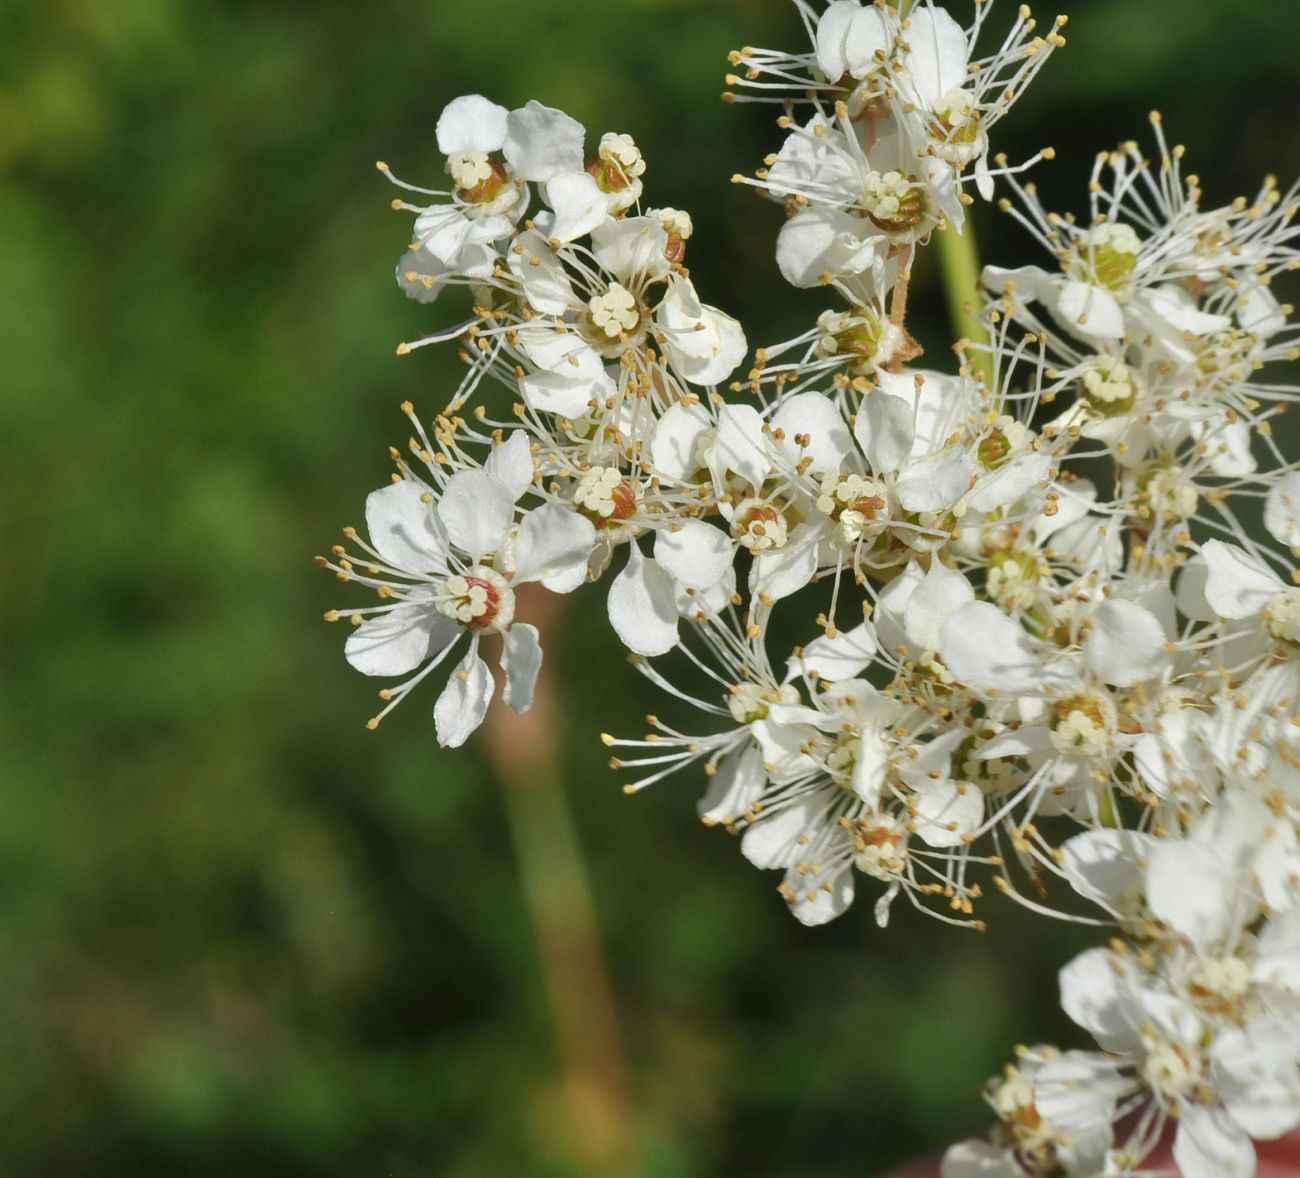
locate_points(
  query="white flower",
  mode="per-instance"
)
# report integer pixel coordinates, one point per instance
(489, 193)
(447, 566)
(1226, 1083)
(916, 73)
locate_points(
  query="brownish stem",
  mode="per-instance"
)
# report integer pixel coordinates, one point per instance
(526, 753)
(898, 307)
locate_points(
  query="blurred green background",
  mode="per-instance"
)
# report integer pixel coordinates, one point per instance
(239, 934)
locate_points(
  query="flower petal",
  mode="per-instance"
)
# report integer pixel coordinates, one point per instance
(774, 841)
(642, 606)
(947, 811)
(989, 651)
(935, 482)
(1177, 308)
(578, 202)
(1191, 590)
(1026, 741)
(675, 445)
(779, 572)
(845, 656)
(541, 142)
(521, 660)
(458, 241)
(511, 463)
(977, 1159)
(420, 273)
(818, 241)
(1009, 483)
(1258, 311)
(1209, 1145)
(1094, 993)
(476, 510)
(741, 445)
(939, 54)
(1092, 310)
(832, 33)
(1237, 583)
(471, 123)
(735, 787)
(397, 642)
(697, 554)
(818, 893)
(883, 428)
(1104, 866)
(703, 343)
(551, 542)
(1188, 888)
(1255, 1072)
(867, 39)
(1282, 510)
(939, 595)
(870, 765)
(403, 528)
(813, 416)
(565, 396)
(633, 250)
(1125, 644)
(565, 353)
(541, 273)
(1228, 444)
(464, 701)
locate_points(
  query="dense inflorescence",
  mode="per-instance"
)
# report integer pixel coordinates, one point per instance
(1050, 653)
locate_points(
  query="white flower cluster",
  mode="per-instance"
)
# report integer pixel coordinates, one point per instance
(1045, 644)
(901, 108)
(1174, 724)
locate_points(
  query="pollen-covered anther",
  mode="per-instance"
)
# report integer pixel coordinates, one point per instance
(879, 847)
(1282, 615)
(479, 178)
(894, 202)
(759, 526)
(617, 168)
(862, 334)
(479, 599)
(955, 131)
(614, 313)
(1226, 358)
(751, 702)
(1107, 256)
(1006, 436)
(1167, 492)
(1083, 725)
(605, 497)
(858, 505)
(1109, 386)
(679, 227)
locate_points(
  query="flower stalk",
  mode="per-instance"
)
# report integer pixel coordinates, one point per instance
(525, 753)
(959, 266)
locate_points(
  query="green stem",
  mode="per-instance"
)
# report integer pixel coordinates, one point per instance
(960, 265)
